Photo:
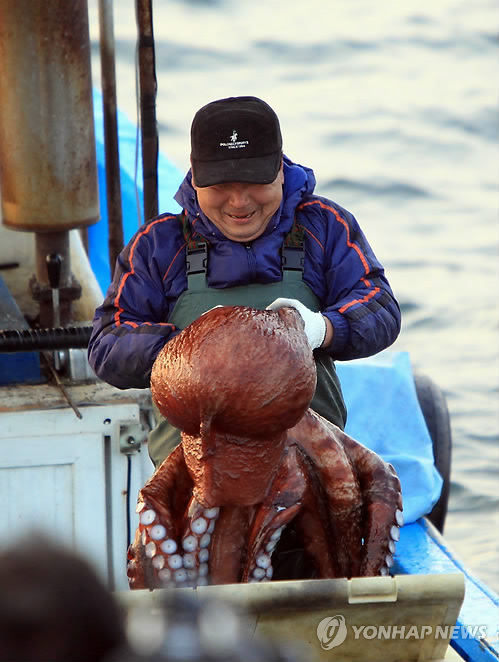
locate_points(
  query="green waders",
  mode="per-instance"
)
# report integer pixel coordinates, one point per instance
(199, 298)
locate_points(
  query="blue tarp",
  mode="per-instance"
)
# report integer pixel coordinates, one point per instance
(383, 410)
(169, 178)
(384, 414)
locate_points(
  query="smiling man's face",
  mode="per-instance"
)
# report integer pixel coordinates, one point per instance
(241, 211)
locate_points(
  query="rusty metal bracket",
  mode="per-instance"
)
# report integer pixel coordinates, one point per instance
(131, 437)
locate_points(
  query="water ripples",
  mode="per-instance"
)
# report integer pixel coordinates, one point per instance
(394, 190)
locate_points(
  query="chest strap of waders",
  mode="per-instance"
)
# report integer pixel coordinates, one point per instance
(196, 248)
(292, 251)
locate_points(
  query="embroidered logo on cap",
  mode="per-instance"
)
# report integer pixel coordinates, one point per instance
(234, 142)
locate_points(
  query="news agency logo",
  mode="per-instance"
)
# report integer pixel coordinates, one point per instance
(332, 631)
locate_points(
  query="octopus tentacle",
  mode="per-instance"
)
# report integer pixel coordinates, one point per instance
(175, 561)
(280, 506)
(169, 489)
(382, 503)
(315, 527)
(342, 494)
(196, 540)
(153, 558)
(393, 538)
(154, 550)
(229, 544)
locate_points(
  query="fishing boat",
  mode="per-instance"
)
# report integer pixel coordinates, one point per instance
(73, 450)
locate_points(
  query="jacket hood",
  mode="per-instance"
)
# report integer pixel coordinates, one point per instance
(299, 182)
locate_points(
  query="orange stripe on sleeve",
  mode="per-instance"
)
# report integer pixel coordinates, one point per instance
(312, 235)
(356, 248)
(174, 258)
(116, 302)
(134, 325)
(345, 225)
(363, 300)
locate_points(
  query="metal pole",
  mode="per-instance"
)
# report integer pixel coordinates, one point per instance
(111, 143)
(148, 88)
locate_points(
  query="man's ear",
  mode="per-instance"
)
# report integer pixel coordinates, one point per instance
(281, 171)
(192, 175)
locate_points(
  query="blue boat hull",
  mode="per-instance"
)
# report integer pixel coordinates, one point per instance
(422, 550)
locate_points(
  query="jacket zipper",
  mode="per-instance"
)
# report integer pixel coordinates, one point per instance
(251, 261)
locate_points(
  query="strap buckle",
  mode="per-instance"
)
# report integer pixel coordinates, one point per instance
(197, 259)
(293, 258)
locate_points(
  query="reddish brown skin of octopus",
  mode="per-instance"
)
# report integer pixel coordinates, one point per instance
(238, 370)
(167, 492)
(238, 452)
(228, 471)
(228, 546)
(234, 419)
(332, 488)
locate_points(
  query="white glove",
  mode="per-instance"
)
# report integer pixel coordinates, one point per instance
(315, 324)
(210, 309)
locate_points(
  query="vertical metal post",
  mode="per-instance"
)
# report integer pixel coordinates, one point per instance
(111, 142)
(148, 88)
(108, 475)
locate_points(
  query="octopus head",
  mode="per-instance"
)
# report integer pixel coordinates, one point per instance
(238, 370)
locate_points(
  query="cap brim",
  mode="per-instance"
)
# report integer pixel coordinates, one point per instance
(256, 170)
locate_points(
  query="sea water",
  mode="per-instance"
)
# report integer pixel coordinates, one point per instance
(394, 106)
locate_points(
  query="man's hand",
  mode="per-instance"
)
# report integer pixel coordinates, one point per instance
(315, 323)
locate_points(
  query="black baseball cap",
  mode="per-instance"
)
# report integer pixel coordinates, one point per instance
(237, 139)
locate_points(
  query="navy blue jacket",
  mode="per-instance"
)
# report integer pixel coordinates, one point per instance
(131, 326)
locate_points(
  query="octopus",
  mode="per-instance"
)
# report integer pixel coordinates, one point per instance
(261, 487)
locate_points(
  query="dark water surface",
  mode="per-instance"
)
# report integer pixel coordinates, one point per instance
(395, 109)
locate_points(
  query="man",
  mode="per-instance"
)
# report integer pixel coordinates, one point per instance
(252, 233)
